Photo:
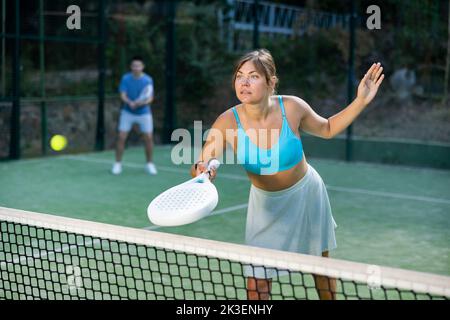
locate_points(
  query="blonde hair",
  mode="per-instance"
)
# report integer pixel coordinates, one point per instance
(263, 62)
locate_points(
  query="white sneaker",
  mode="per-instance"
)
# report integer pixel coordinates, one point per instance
(150, 168)
(117, 168)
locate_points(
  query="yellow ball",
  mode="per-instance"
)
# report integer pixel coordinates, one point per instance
(58, 142)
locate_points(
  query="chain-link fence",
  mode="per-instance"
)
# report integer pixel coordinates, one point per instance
(60, 69)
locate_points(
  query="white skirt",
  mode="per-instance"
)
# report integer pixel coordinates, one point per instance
(296, 219)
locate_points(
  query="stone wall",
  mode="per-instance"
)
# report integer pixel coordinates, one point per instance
(77, 120)
(5, 119)
(385, 118)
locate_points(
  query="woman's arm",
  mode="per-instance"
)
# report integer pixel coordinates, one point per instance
(214, 145)
(312, 123)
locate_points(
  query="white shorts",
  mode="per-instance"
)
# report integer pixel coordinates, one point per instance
(127, 119)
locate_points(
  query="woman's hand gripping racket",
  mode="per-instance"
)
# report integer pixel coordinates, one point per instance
(186, 202)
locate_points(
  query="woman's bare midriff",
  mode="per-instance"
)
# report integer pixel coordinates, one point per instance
(280, 180)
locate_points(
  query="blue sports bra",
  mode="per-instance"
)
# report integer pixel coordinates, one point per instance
(283, 155)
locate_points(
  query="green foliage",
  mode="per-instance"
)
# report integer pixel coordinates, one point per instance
(134, 36)
(201, 56)
(413, 33)
(304, 62)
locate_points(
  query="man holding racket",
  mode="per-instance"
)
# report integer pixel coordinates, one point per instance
(288, 205)
(136, 94)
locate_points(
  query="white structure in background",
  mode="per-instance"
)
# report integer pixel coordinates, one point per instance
(403, 82)
(274, 19)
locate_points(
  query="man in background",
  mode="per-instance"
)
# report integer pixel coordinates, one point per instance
(136, 94)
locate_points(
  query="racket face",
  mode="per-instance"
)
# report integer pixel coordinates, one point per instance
(183, 204)
(185, 198)
(146, 93)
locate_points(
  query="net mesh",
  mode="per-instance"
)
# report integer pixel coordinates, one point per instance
(49, 257)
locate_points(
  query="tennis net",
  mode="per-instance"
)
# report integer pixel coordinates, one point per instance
(52, 257)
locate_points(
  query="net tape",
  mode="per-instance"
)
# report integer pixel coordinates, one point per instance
(120, 262)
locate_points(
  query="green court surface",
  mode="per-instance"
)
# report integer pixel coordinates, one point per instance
(386, 215)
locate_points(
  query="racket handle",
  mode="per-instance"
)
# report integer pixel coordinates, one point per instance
(213, 164)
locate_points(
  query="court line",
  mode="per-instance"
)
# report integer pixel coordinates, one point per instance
(388, 194)
(141, 166)
(392, 195)
(44, 253)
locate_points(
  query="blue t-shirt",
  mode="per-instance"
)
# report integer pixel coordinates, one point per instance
(133, 88)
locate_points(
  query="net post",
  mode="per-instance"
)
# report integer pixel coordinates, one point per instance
(351, 79)
(101, 57)
(43, 103)
(170, 112)
(255, 25)
(14, 150)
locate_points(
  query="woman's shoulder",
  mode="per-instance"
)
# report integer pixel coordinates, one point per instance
(227, 118)
(294, 106)
(292, 100)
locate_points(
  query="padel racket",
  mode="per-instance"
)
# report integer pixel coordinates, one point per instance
(186, 202)
(146, 93)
